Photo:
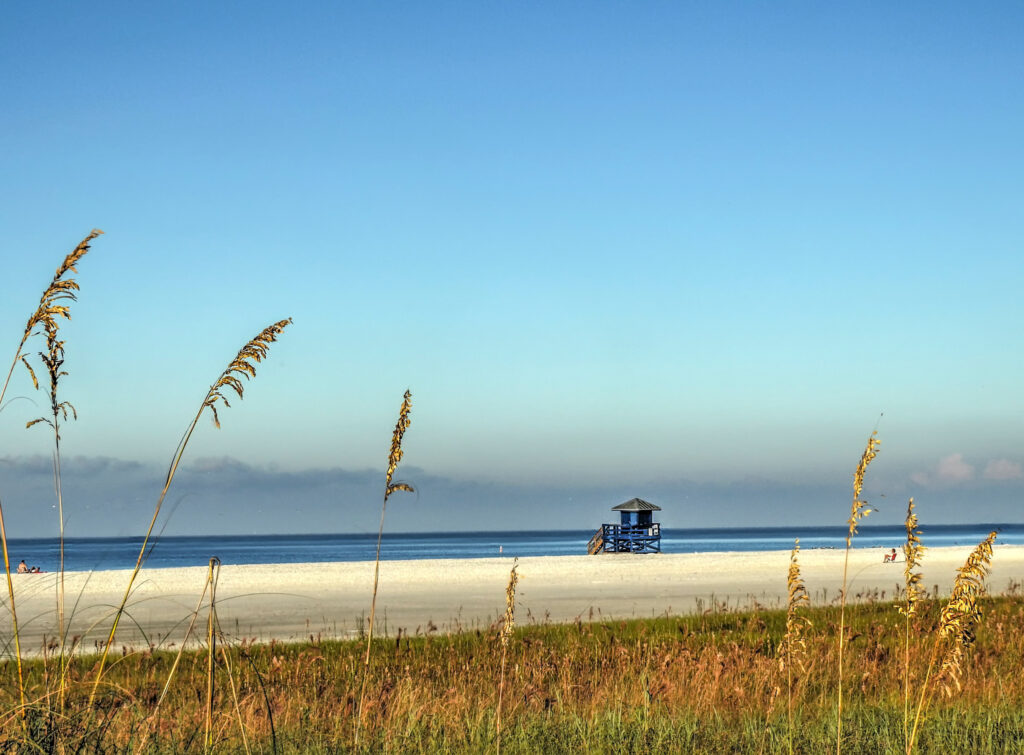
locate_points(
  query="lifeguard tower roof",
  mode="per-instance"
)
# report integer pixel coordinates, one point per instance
(636, 504)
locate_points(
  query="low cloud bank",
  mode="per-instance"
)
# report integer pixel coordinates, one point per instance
(114, 497)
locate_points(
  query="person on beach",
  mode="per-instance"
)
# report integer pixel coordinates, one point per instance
(22, 567)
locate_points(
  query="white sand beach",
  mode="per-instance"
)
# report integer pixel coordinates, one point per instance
(293, 601)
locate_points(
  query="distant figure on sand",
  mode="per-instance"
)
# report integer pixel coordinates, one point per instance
(887, 557)
(22, 567)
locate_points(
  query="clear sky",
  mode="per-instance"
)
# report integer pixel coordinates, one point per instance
(684, 251)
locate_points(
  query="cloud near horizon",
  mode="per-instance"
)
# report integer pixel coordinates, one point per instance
(949, 470)
(1003, 469)
(107, 497)
(953, 470)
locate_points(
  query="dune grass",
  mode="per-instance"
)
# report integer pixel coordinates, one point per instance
(667, 684)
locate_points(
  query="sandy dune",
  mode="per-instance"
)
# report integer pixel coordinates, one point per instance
(293, 601)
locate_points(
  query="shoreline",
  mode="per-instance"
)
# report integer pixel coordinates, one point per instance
(293, 602)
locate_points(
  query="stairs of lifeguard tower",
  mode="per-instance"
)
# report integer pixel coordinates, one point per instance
(596, 543)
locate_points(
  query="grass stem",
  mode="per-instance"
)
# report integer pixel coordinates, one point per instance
(394, 457)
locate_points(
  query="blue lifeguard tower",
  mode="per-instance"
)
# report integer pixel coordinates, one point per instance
(637, 532)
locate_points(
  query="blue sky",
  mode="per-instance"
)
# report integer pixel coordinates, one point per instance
(684, 251)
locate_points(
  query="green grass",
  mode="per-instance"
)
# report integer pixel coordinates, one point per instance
(672, 684)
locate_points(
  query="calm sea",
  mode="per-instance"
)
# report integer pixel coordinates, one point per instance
(85, 554)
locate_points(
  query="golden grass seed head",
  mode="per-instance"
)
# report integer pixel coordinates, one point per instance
(47, 316)
(510, 604)
(396, 453)
(254, 351)
(960, 616)
(859, 509)
(60, 289)
(912, 552)
(793, 649)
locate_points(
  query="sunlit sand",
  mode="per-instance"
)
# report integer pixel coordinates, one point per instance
(293, 601)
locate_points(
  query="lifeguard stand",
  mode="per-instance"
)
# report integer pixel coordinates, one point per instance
(637, 532)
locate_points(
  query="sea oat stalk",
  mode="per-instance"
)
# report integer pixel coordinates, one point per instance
(957, 625)
(53, 361)
(394, 457)
(211, 638)
(53, 306)
(390, 487)
(793, 650)
(912, 595)
(858, 510)
(243, 365)
(507, 626)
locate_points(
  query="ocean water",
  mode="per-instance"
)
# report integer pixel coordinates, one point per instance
(86, 554)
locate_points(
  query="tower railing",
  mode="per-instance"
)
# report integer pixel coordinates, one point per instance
(626, 538)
